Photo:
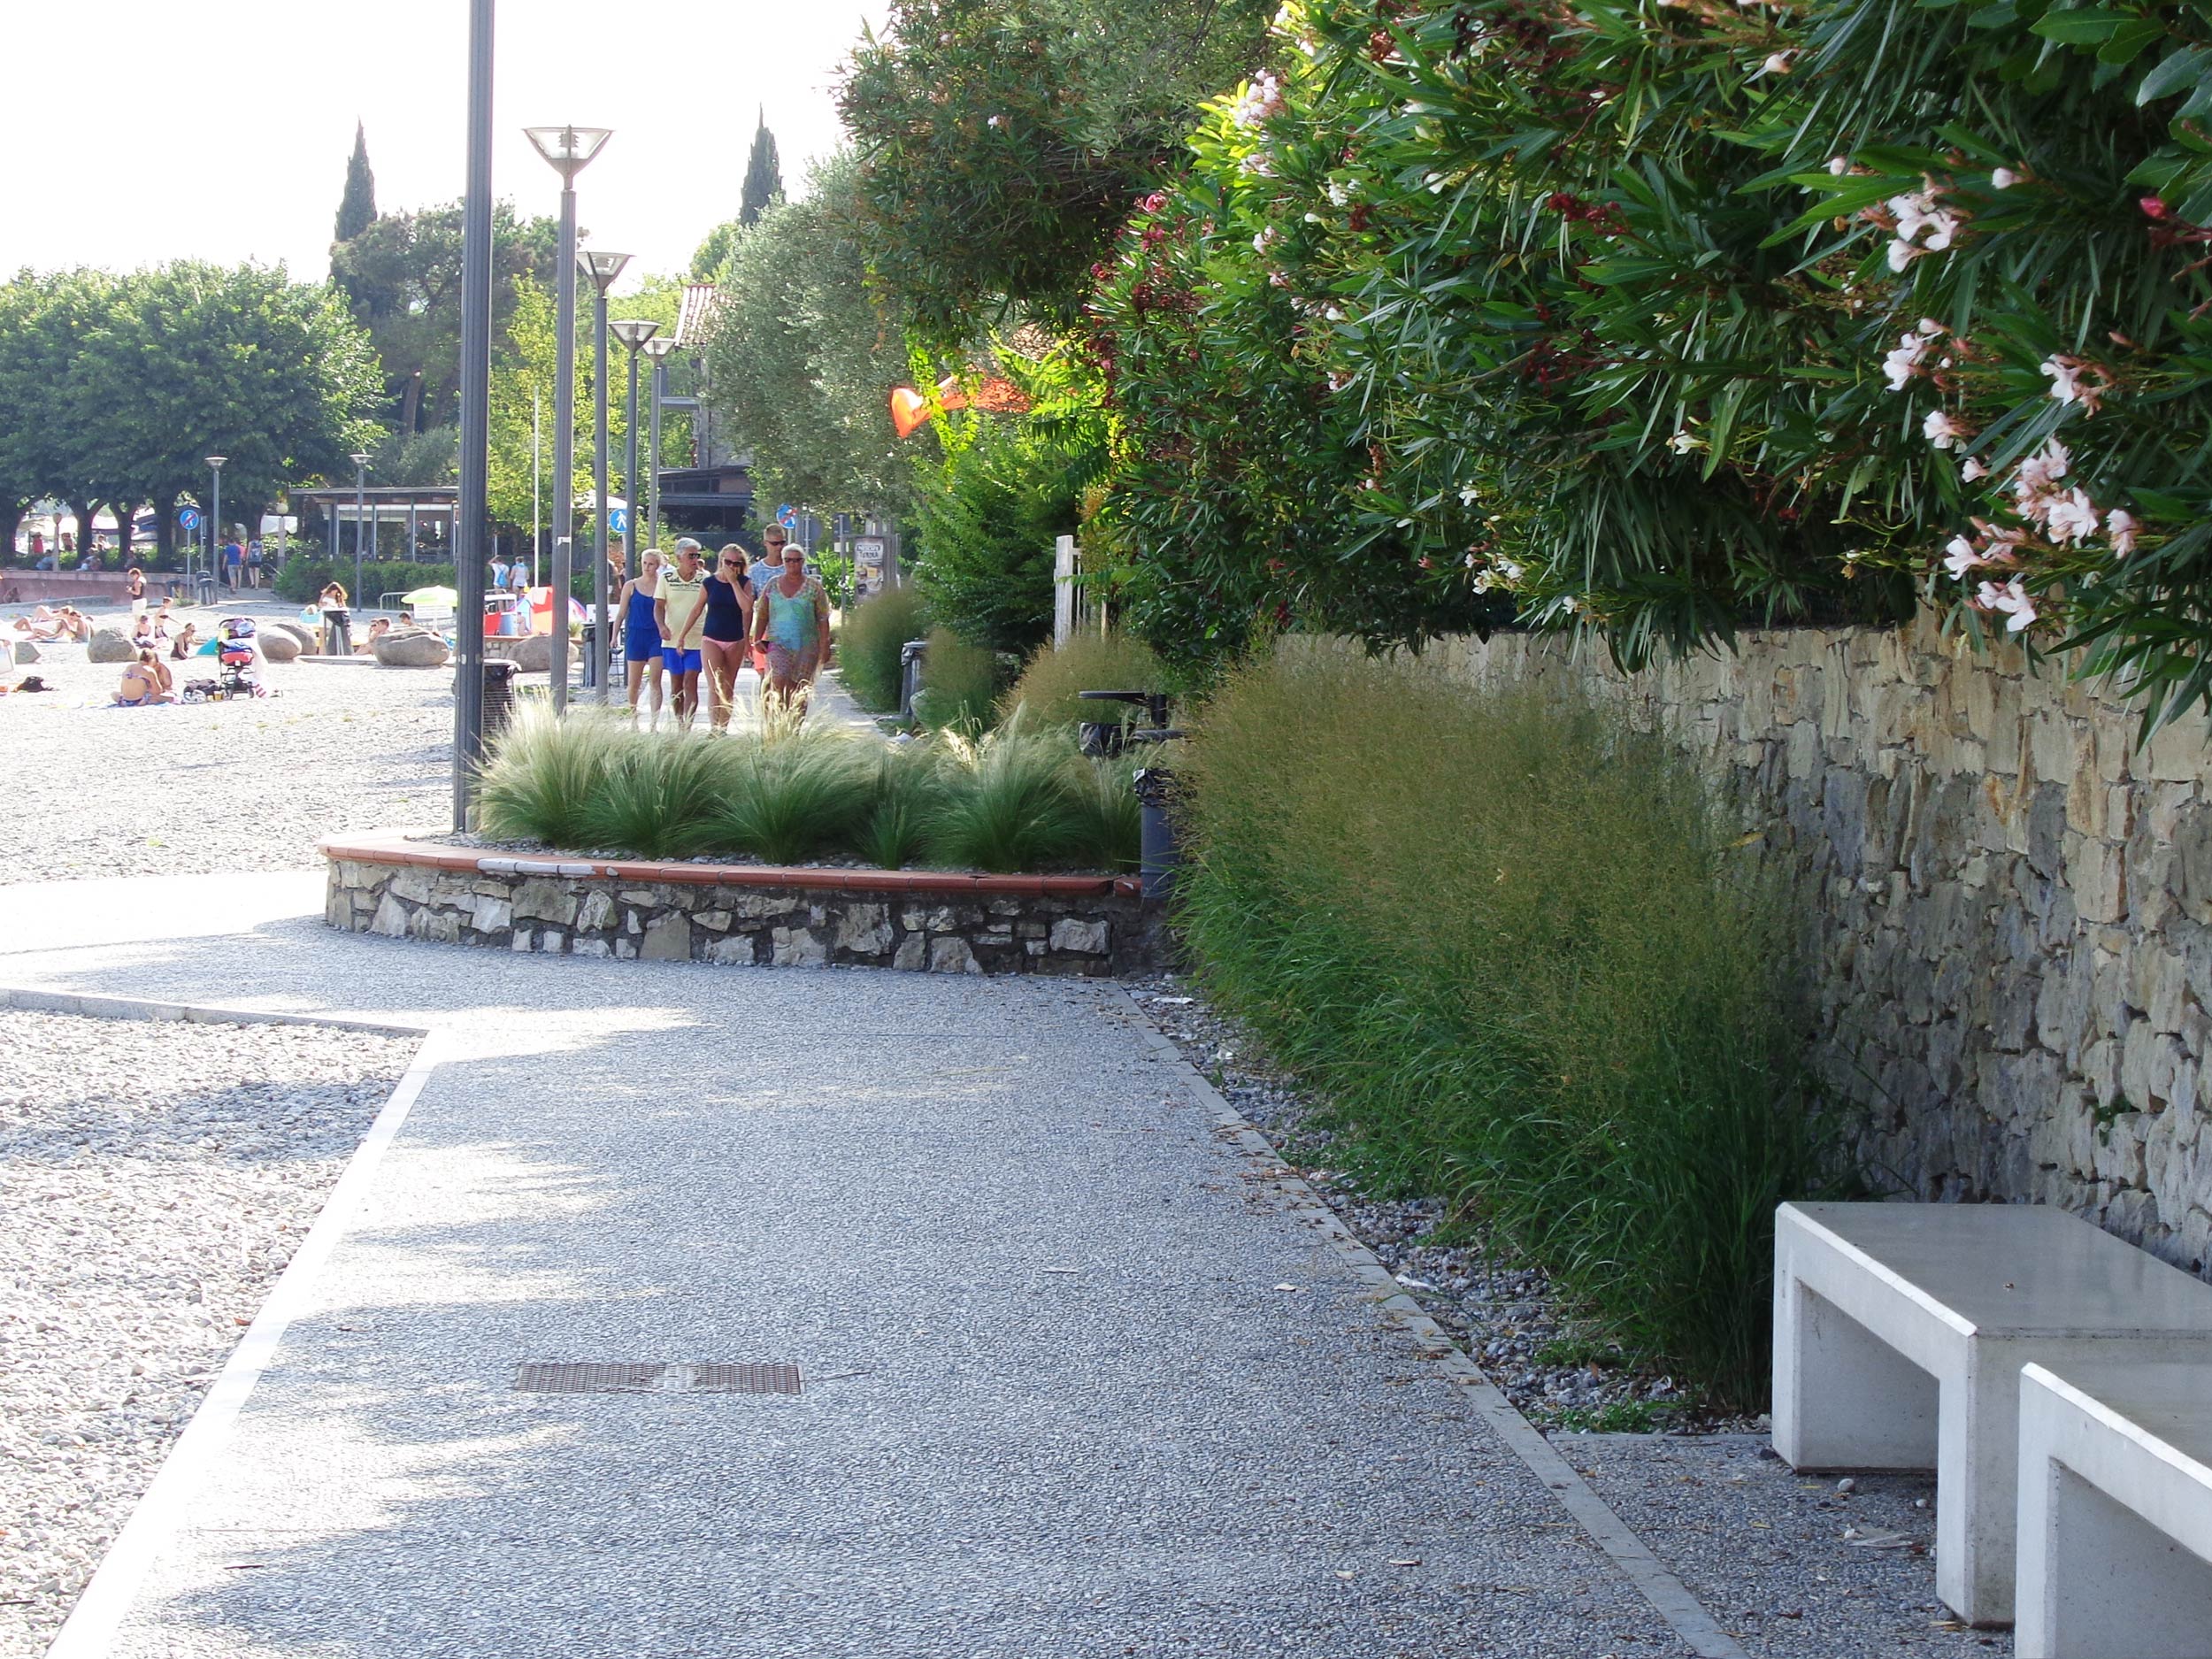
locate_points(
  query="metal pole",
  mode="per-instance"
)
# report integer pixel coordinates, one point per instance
(537, 533)
(564, 445)
(600, 643)
(215, 529)
(476, 361)
(629, 470)
(660, 386)
(360, 512)
(414, 555)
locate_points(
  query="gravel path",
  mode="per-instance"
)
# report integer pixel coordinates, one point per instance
(154, 1179)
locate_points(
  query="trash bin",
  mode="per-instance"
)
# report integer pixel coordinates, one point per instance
(499, 694)
(337, 633)
(205, 585)
(590, 647)
(910, 658)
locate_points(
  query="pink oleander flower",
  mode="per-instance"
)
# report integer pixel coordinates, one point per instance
(2011, 600)
(1260, 99)
(1943, 432)
(1774, 64)
(1960, 555)
(1838, 165)
(2042, 469)
(1971, 471)
(1904, 361)
(1267, 238)
(2122, 526)
(2065, 374)
(2070, 517)
(2003, 178)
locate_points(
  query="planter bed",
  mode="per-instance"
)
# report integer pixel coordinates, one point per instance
(923, 920)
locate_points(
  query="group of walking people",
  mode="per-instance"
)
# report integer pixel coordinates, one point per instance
(683, 622)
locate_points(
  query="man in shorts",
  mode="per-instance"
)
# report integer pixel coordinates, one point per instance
(680, 607)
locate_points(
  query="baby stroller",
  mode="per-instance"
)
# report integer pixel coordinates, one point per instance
(237, 664)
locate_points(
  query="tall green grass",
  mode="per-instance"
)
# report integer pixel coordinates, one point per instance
(959, 685)
(544, 777)
(868, 644)
(1088, 662)
(794, 794)
(1532, 968)
(910, 791)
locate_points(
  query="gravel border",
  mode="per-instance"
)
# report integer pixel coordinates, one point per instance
(154, 1177)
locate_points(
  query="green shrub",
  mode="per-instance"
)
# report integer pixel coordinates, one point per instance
(795, 794)
(545, 776)
(959, 685)
(869, 642)
(1520, 953)
(1088, 662)
(1112, 824)
(1011, 802)
(658, 797)
(304, 575)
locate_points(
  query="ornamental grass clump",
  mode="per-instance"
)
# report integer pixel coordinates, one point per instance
(868, 643)
(959, 682)
(793, 794)
(909, 790)
(1011, 802)
(1087, 662)
(544, 777)
(1533, 969)
(658, 797)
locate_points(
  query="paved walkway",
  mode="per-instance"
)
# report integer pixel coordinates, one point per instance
(1078, 1379)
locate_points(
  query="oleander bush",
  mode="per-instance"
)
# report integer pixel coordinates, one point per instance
(1532, 968)
(1013, 800)
(869, 642)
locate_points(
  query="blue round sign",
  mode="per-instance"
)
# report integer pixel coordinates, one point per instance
(189, 518)
(619, 521)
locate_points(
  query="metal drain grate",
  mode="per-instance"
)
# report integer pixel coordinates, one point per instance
(654, 1376)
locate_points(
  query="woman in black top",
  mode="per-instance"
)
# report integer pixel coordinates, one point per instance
(729, 620)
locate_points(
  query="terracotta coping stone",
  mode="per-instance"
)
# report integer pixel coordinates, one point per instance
(393, 848)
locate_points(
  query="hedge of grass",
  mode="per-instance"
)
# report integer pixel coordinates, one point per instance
(960, 685)
(1014, 800)
(1532, 968)
(1088, 662)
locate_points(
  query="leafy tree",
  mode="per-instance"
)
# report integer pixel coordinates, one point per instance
(806, 354)
(357, 208)
(196, 359)
(715, 251)
(402, 275)
(53, 415)
(763, 179)
(1002, 141)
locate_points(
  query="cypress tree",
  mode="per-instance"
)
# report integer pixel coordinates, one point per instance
(357, 209)
(763, 179)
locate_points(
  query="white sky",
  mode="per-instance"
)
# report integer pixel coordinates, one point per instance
(112, 158)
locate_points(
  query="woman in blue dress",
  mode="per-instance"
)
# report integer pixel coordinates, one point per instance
(640, 635)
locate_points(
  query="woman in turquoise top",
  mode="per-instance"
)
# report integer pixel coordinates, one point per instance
(791, 618)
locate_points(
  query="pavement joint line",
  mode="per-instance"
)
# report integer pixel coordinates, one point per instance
(1684, 1614)
(159, 1515)
(32, 999)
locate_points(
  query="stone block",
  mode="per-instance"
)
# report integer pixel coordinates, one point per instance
(736, 948)
(667, 939)
(592, 948)
(713, 921)
(910, 957)
(545, 899)
(418, 649)
(797, 947)
(414, 883)
(952, 955)
(491, 915)
(110, 645)
(596, 910)
(442, 927)
(1081, 937)
(865, 929)
(390, 918)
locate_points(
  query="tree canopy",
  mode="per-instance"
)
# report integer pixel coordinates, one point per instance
(763, 178)
(357, 207)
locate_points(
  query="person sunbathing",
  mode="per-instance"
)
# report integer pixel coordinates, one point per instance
(378, 629)
(188, 640)
(145, 681)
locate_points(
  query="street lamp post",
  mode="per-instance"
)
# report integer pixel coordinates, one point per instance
(658, 350)
(632, 334)
(215, 517)
(360, 511)
(476, 355)
(568, 150)
(603, 268)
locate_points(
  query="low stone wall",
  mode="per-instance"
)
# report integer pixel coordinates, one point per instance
(920, 920)
(2007, 902)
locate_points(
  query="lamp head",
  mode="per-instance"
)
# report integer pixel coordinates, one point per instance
(658, 347)
(632, 334)
(600, 266)
(216, 461)
(568, 150)
(359, 460)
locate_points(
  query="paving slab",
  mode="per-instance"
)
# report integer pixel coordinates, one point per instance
(1078, 1379)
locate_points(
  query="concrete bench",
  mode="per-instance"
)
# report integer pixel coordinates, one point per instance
(2116, 1512)
(1899, 1331)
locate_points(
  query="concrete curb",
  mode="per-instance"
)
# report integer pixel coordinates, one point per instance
(1667, 1593)
(114, 1589)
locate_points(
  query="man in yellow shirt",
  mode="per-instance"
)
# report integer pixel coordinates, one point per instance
(680, 608)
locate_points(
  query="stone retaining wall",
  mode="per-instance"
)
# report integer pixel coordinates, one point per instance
(2008, 902)
(739, 913)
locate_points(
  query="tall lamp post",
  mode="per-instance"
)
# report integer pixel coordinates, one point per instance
(633, 335)
(476, 360)
(215, 518)
(360, 512)
(602, 269)
(568, 150)
(658, 350)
